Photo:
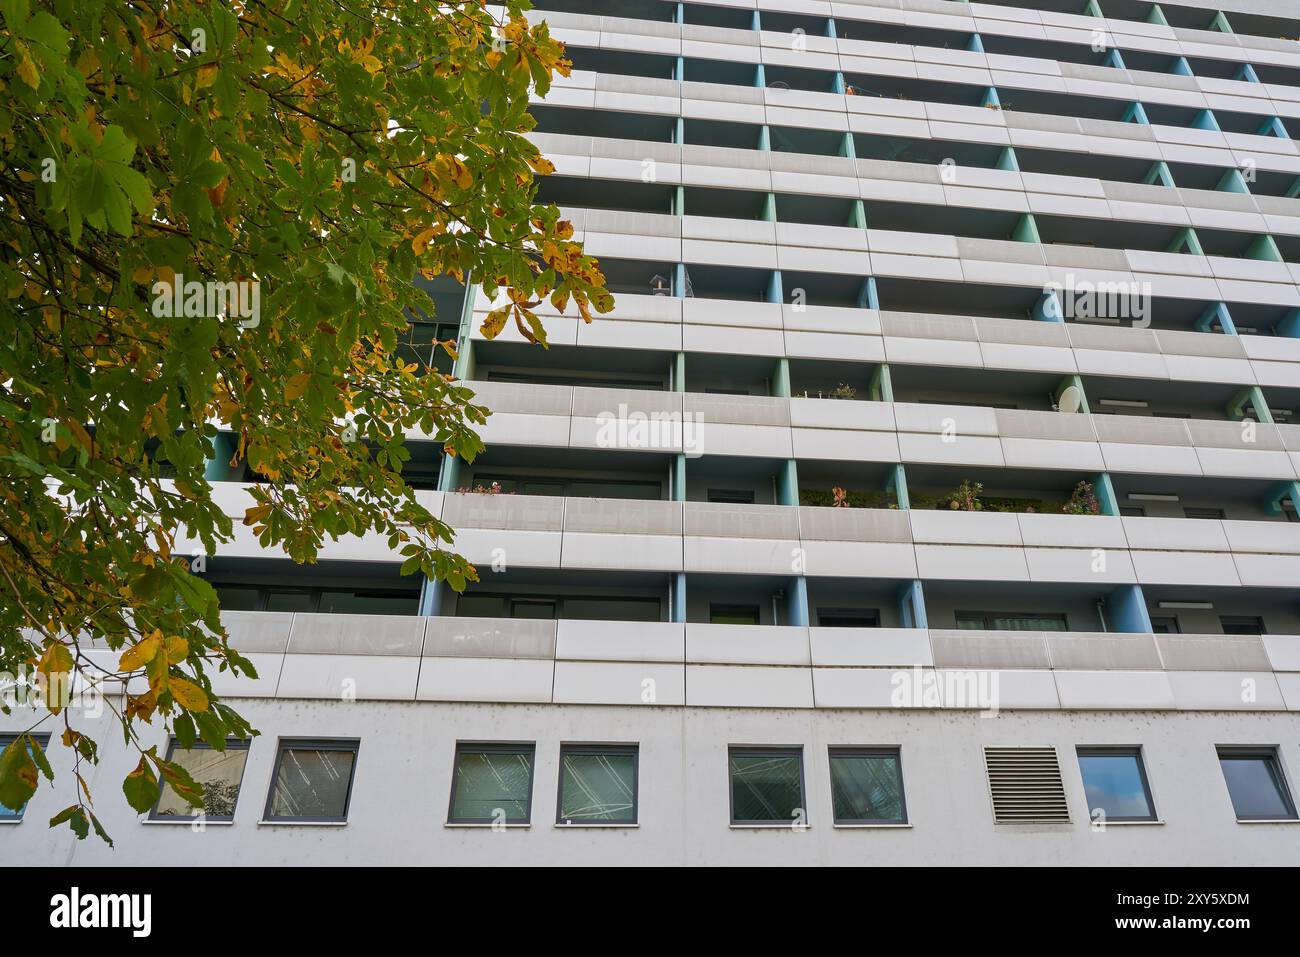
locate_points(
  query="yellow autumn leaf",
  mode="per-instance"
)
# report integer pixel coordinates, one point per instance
(541, 165)
(178, 649)
(187, 694)
(494, 322)
(421, 240)
(27, 68)
(137, 656)
(207, 76)
(296, 386)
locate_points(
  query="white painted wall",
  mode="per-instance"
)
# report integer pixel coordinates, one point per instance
(403, 780)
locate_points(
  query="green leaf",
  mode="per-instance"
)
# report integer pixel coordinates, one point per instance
(17, 774)
(141, 787)
(75, 817)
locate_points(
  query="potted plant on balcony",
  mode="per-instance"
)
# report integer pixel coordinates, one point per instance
(966, 497)
(1082, 501)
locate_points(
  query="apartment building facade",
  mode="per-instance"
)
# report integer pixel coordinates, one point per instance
(929, 497)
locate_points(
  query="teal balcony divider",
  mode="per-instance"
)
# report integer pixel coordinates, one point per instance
(1205, 120)
(1274, 126)
(430, 597)
(799, 602)
(897, 483)
(679, 597)
(1252, 396)
(1217, 313)
(1289, 325)
(1246, 74)
(1285, 490)
(787, 483)
(911, 605)
(217, 468)
(1136, 114)
(1159, 173)
(1126, 610)
(1048, 308)
(1231, 182)
(1104, 489)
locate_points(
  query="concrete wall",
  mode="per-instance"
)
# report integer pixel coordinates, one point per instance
(402, 787)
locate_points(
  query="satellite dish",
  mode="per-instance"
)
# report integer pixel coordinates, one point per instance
(1069, 400)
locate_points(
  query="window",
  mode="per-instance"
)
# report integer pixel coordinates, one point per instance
(1132, 511)
(848, 617)
(733, 614)
(1242, 624)
(1010, 621)
(1115, 784)
(867, 786)
(8, 815)
(766, 785)
(598, 784)
(1165, 626)
(1256, 784)
(492, 783)
(313, 781)
(584, 607)
(219, 773)
(1197, 512)
(731, 496)
(351, 601)
(532, 608)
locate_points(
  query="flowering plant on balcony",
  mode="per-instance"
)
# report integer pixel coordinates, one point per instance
(1082, 501)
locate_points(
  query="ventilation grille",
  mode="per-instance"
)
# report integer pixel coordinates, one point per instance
(1026, 786)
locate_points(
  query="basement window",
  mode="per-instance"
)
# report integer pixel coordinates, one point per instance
(492, 784)
(766, 786)
(1115, 784)
(867, 786)
(1256, 784)
(598, 784)
(313, 781)
(219, 773)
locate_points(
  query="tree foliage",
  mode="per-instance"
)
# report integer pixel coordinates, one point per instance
(298, 163)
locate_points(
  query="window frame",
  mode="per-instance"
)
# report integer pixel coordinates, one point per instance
(958, 614)
(236, 744)
(734, 607)
(730, 496)
(1267, 752)
(595, 748)
(872, 751)
(283, 745)
(1118, 750)
(871, 613)
(775, 751)
(315, 593)
(1225, 619)
(7, 738)
(493, 747)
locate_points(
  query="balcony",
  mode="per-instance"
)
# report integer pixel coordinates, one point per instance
(710, 665)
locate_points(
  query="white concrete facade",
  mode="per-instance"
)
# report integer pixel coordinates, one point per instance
(841, 237)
